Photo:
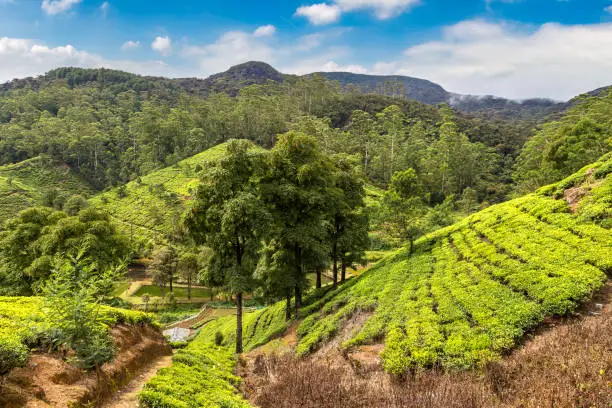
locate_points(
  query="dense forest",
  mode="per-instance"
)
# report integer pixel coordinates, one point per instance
(258, 186)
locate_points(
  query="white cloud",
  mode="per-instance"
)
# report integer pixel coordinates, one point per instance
(265, 31)
(323, 13)
(479, 57)
(130, 45)
(53, 7)
(25, 57)
(320, 14)
(231, 48)
(608, 9)
(332, 66)
(383, 9)
(162, 45)
(104, 8)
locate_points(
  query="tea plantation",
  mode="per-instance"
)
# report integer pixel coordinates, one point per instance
(468, 293)
(150, 207)
(23, 184)
(23, 325)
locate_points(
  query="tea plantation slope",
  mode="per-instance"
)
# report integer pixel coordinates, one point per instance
(23, 184)
(470, 291)
(24, 324)
(148, 208)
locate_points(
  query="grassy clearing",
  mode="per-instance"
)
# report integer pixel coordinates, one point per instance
(179, 293)
(23, 325)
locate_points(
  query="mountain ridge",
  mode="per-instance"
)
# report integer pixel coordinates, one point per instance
(249, 73)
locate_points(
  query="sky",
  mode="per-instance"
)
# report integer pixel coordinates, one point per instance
(511, 48)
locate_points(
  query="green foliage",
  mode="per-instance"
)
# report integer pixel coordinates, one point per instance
(200, 376)
(31, 240)
(24, 323)
(36, 182)
(562, 147)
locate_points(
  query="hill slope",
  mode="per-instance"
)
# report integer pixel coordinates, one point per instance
(467, 295)
(23, 184)
(150, 207)
(470, 291)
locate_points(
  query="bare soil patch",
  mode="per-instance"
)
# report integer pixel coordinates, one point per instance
(49, 381)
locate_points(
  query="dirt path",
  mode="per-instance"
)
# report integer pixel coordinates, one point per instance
(128, 396)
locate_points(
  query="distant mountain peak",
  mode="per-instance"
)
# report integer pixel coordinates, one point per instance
(238, 76)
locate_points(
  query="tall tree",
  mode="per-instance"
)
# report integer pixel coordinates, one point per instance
(346, 221)
(392, 121)
(296, 188)
(228, 216)
(188, 268)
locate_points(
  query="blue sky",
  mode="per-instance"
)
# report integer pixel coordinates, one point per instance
(512, 48)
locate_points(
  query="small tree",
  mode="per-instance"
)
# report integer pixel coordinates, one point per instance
(163, 267)
(73, 295)
(145, 300)
(188, 268)
(404, 208)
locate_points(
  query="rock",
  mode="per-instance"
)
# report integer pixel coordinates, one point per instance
(177, 334)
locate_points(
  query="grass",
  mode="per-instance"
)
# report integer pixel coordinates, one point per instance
(179, 293)
(150, 207)
(23, 324)
(177, 313)
(23, 184)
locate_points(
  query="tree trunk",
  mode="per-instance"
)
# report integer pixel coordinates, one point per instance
(212, 295)
(335, 272)
(239, 323)
(318, 279)
(171, 279)
(288, 305)
(189, 287)
(298, 301)
(411, 246)
(343, 275)
(163, 291)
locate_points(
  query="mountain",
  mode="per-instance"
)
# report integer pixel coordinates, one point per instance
(240, 76)
(412, 88)
(255, 72)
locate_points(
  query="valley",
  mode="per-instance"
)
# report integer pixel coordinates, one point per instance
(321, 240)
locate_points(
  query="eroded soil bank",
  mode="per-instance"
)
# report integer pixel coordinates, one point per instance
(49, 381)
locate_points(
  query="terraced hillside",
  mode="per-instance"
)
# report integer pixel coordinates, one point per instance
(472, 290)
(466, 295)
(23, 323)
(150, 207)
(23, 184)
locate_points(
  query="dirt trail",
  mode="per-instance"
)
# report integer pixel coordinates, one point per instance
(128, 396)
